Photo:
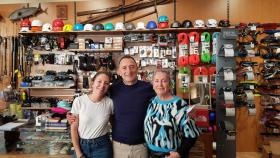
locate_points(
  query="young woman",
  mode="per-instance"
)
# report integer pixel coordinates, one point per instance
(90, 129)
(169, 132)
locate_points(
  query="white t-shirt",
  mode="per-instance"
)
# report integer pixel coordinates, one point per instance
(93, 116)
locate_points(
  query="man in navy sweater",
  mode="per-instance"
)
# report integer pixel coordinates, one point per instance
(131, 98)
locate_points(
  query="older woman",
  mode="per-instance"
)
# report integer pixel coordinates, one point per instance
(90, 129)
(169, 132)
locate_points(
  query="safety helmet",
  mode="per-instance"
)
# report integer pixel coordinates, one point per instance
(47, 27)
(212, 23)
(119, 26)
(88, 27)
(140, 26)
(36, 25)
(25, 23)
(109, 26)
(99, 27)
(25, 29)
(57, 25)
(199, 23)
(187, 24)
(162, 18)
(163, 25)
(78, 27)
(175, 24)
(129, 26)
(224, 23)
(151, 25)
(67, 28)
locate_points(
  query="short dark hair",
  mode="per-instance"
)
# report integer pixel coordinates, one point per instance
(127, 57)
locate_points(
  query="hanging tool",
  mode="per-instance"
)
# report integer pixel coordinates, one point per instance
(5, 55)
(126, 9)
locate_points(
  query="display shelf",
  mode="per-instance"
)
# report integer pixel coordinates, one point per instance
(120, 32)
(96, 50)
(36, 108)
(45, 87)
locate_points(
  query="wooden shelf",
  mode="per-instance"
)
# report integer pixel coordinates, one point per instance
(121, 32)
(95, 50)
(45, 88)
(36, 108)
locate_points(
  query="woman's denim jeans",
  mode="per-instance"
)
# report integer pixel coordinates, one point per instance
(100, 147)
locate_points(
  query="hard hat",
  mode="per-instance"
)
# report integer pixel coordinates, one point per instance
(109, 26)
(140, 26)
(199, 23)
(212, 23)
(88, 27)
(78, 27)
(47, 27)
(67, 27)
(25, 23)
(224, 23)
(175, 24)
(57, 25)
(163, 25)
(151, 25)
(129, 26)
(162, 18)
(25, 29)
(99, 27)
(119, 26)
(187, 24)
(37, 23)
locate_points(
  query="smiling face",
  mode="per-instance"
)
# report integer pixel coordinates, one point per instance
(161, 83)
(128, 70)
(100, 84)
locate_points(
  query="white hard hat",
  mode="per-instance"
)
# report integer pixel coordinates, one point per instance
(24, 29)
(212, 23)
(119, 26)
(36, 23)
(88, 27)
(47, 27)
(199, 23)
(140, 26)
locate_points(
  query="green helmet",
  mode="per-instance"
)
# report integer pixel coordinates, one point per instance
(109, 26)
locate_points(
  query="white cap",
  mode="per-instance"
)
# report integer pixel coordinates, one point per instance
(140, 26)
(88, 27)
(199, 23)
(36, 23)
(47, 27)
(119, 26)
(212, 23)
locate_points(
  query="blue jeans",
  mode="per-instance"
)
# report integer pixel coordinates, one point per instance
(100, 147)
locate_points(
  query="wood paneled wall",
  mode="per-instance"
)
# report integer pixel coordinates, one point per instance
(240, 11)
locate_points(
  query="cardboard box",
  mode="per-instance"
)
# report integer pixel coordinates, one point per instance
(267, 152)
(275, 147)
(267, 139)
(117, 40)
(107, 46)
(108, 40)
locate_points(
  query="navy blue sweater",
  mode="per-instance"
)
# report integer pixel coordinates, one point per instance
(130, 106)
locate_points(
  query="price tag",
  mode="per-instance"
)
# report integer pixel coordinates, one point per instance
(229, 52)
